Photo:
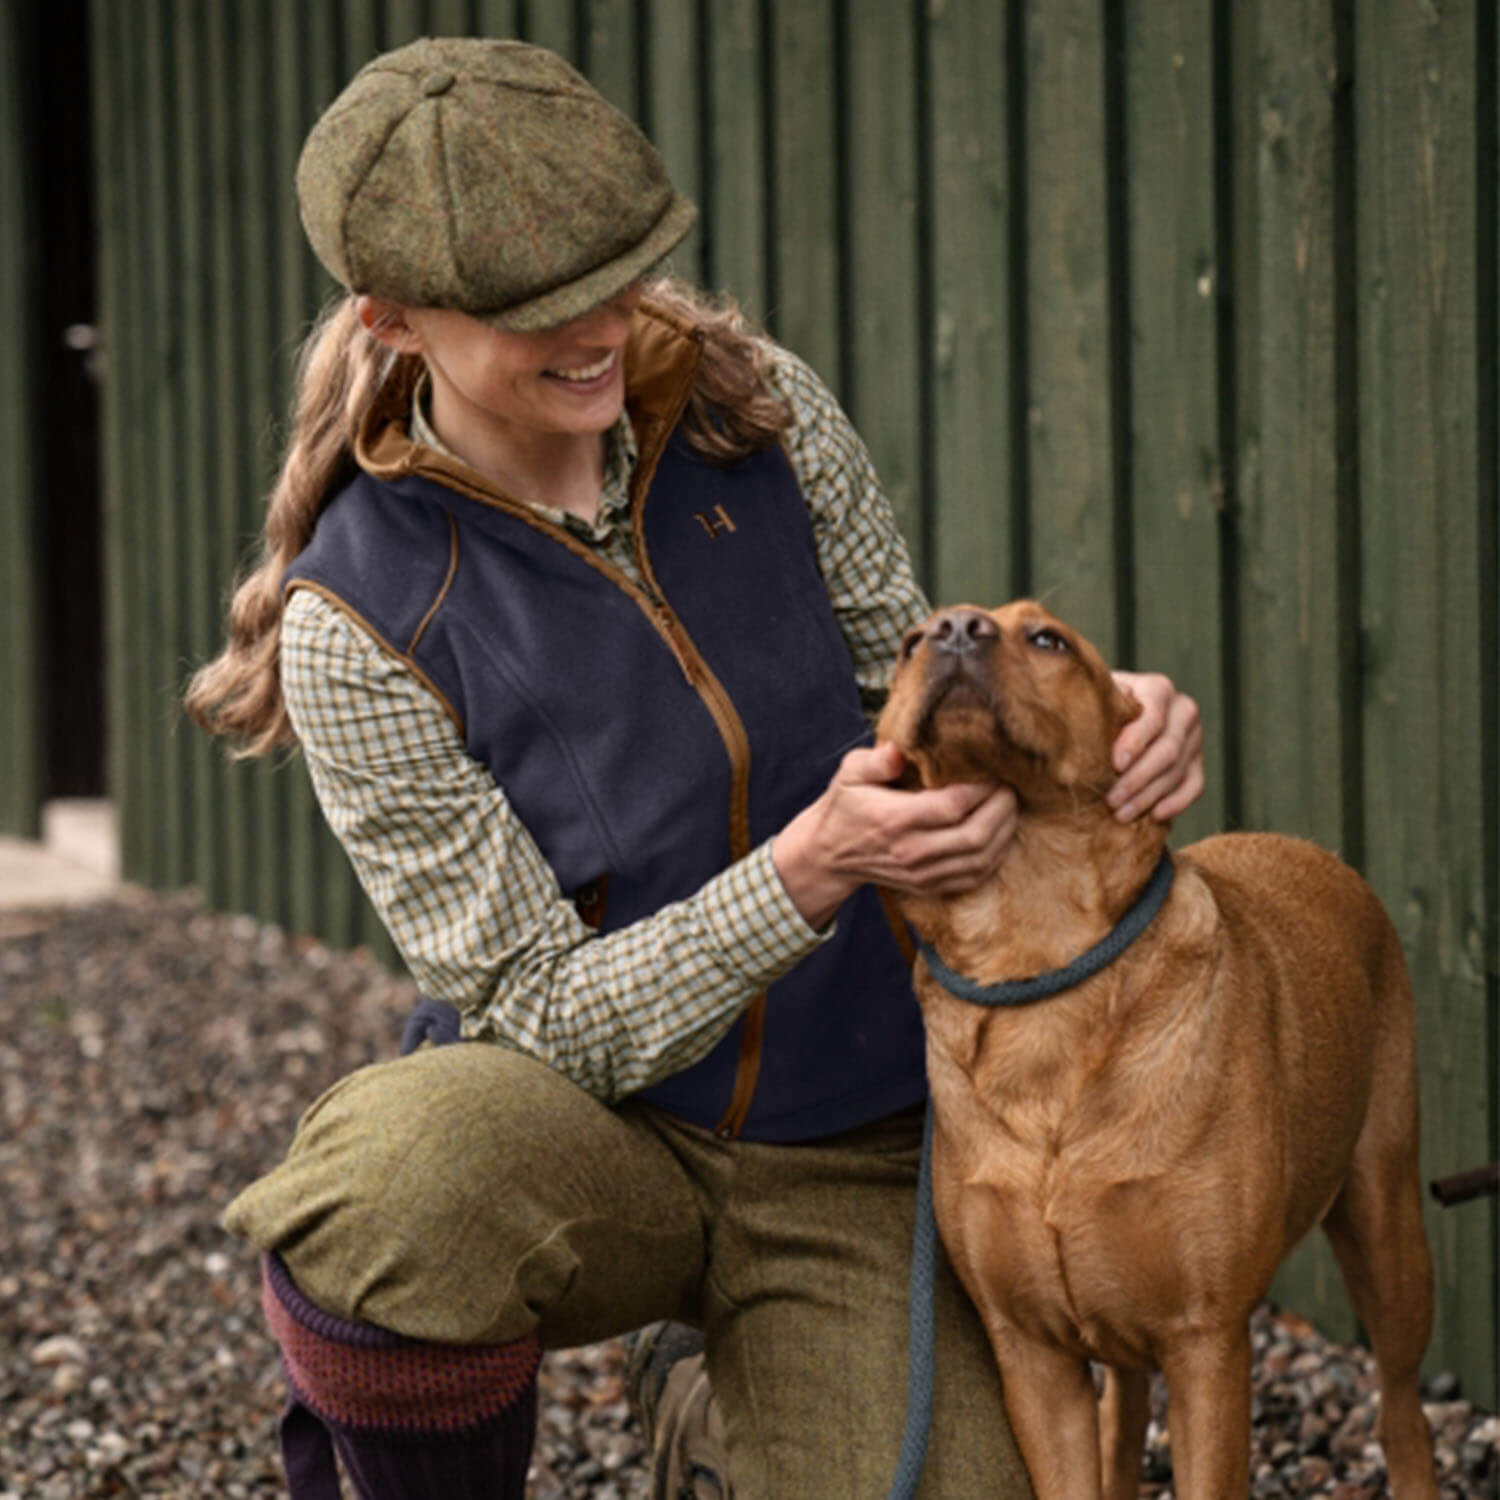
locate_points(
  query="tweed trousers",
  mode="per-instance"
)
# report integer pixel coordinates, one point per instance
(468, 1194)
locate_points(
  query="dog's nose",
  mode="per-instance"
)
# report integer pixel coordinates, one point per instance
(961, 630)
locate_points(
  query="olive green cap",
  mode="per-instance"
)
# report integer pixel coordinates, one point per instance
(485, 176)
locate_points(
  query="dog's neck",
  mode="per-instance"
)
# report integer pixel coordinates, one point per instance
(1062, 885)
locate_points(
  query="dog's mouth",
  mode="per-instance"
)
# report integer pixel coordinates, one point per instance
(954, 688)
(963, 730)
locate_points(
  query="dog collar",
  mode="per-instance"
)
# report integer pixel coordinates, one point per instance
(1085, 966)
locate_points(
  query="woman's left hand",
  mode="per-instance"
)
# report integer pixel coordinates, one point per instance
(1159, 755)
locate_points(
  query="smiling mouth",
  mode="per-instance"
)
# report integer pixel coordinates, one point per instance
(587, 374)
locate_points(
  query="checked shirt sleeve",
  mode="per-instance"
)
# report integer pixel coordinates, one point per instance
(475, 909)
(861, 554)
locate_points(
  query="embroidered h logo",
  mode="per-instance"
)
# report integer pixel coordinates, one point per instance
(715, 523)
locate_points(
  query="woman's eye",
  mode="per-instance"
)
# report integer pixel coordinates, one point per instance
(1048, 640)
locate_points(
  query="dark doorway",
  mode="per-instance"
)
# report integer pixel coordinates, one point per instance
(57, 132)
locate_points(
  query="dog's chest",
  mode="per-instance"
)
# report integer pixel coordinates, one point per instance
(1057, 1230)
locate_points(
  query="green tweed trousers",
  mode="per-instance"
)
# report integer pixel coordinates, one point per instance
(468, 1194)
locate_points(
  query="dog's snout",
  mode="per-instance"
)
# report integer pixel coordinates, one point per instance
(959, 631)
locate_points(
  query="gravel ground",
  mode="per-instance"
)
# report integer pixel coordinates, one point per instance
(156, 1057)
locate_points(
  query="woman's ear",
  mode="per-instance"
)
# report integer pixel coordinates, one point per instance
(386, 321)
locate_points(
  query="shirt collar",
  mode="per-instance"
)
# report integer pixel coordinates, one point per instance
(620, 455)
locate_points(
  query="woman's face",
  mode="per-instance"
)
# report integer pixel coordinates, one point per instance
(564, 380)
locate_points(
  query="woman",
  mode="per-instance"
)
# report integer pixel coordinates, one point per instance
(577, 596)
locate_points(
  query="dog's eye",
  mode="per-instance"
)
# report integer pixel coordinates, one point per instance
(909, 641)
(1047, 640)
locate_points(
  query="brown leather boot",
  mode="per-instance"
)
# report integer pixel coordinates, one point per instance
(670, 1394)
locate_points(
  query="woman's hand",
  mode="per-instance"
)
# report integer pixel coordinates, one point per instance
(936, 842)
(1160, 754)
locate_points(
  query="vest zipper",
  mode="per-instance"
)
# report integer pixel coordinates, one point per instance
(737, 744)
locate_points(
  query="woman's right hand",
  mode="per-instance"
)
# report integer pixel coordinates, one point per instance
(863, 829)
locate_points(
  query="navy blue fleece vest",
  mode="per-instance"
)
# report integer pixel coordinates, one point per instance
(569, 689)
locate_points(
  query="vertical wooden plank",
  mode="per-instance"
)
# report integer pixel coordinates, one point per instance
(1487, 212)
(258, 227)
(497, 18)
(340, 904)
(452, 18)
(1415, 102)
(1288, 534)
(552, 23)
(887, 366)
(227, 335)
(972, 399)
(131, 354)
(195, 467)
(363, 35)
(676, 88)
(734, 198)
(110, 169)
(610, 54)
(1288, 525)
(20, 725)
(107, 174)
(1072, 456)
(404, 22)
(300, 859)
(804, 123)
(1176, 482)
(164, 314)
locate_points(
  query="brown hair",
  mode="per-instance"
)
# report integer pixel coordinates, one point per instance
(341, 369)
(733, 410)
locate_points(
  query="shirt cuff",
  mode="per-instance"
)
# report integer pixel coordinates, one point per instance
(758, 929)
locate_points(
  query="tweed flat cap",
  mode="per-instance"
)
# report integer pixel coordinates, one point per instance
(486, 176)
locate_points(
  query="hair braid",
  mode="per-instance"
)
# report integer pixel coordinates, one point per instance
(340, 370)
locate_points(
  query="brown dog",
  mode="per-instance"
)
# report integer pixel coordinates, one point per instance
(1119, 1169)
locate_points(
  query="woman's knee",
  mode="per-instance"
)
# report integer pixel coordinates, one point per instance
(452, 1195)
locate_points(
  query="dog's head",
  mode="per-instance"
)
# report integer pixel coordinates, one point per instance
(1010, 694)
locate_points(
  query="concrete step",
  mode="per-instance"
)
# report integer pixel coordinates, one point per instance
(77, 858)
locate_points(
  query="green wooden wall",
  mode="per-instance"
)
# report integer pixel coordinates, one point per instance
(20, 709)
(1180, 314)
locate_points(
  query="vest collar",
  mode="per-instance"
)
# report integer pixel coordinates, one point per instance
(1085, 966)
(661, 362)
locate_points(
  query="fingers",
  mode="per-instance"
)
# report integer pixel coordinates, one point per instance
(936, 807)
(1155, 693)
(1166, 776)
(943, 860)
(869, 767)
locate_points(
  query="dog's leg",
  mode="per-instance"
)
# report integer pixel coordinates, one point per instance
(1054, 1415)
(1124, 1411)
(1208, 1387)
(1375, 1227)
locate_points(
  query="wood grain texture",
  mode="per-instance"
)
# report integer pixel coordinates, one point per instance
(735, 200)
(973, 402)
(805, 138)
(1071, 451)
(883, 381)
(1176, 482)
(20, 725)
(1420, 578)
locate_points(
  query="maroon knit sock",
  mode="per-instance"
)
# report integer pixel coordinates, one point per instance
(410, 1420)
